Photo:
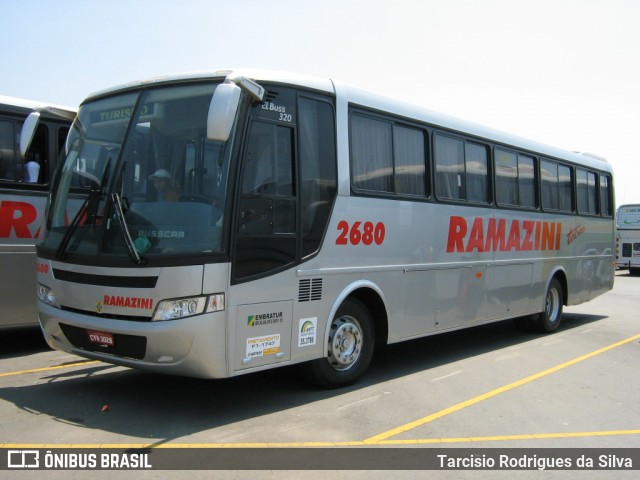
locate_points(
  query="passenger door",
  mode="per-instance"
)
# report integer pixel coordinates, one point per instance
(266, 217)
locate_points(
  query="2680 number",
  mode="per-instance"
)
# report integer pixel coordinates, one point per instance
(366, 233)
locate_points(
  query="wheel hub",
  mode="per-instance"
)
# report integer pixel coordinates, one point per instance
(345, 344)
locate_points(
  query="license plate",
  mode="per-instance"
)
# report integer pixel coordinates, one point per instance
(103, 339)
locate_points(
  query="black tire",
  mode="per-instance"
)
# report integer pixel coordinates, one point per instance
(349, 349)
(549, 319)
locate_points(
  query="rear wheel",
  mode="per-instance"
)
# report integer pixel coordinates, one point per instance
(349, 348)
(549, 320)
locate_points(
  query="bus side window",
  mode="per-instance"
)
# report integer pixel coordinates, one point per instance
(586, 182)
(7, 151)
(62, 140)
(36, 162)
(317, 158)
(34, 168)
(449, 158)
(605, 196)
(549, 181)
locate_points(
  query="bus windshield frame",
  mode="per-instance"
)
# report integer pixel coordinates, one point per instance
(140, 182)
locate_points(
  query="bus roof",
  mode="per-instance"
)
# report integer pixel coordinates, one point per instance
(23, 106)
(376, 101)
(305, 81)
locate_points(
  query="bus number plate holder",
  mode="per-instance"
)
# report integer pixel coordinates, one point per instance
(102, 339)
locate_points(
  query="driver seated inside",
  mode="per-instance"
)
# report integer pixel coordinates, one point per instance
(164, 186)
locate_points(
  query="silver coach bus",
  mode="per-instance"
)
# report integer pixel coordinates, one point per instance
(24, 182)
(234, 221)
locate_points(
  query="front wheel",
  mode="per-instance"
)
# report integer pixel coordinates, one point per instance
(349, 348)
(549, 319)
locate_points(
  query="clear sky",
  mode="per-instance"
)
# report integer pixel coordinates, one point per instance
(565, 72)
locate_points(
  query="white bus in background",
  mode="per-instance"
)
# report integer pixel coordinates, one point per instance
(315, 221)
(628, 238)
(24, 184)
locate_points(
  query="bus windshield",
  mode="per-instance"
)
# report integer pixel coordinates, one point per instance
(140, 180)
(628, 217)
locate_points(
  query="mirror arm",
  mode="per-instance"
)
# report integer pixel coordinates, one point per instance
(255, 90)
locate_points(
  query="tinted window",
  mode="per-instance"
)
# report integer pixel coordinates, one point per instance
(606, 195)
(371, 148)
(266, 223)
(526, 181)
(506, 177)
(549, 175)
(317, 150)
(557, 186)
(515, 179)
(461, 169)
(565, 188)
(586, 194)
(268, 168)
(387, 157)
(7, 151)
(477, 172)
(35, 167)
(409, 164)
(449, 160)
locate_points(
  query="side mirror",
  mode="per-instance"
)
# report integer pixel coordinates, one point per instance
(222, 111)
(28, 131)
(224, 105)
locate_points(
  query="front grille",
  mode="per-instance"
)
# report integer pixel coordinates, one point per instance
(126, 346)
(113, 316)
(626, 249)
(105, 280)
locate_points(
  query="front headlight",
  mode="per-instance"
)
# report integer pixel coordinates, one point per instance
(47, 295)
(188, 307)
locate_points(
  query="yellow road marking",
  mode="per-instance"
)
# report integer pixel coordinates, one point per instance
(381, 439)
(181, 445)
(418, 441)
(498, 438)
(462, 405)
(46, 369)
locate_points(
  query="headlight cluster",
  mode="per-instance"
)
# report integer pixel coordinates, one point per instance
(46, 295)
(189, 307)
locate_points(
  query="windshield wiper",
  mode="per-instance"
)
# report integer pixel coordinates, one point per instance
(117, 203)
(84, 208)
(90, 206)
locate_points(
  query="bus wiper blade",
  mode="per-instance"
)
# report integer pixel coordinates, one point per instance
(117, 203)
(103, 184)
(82, 212)
(89, 207)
